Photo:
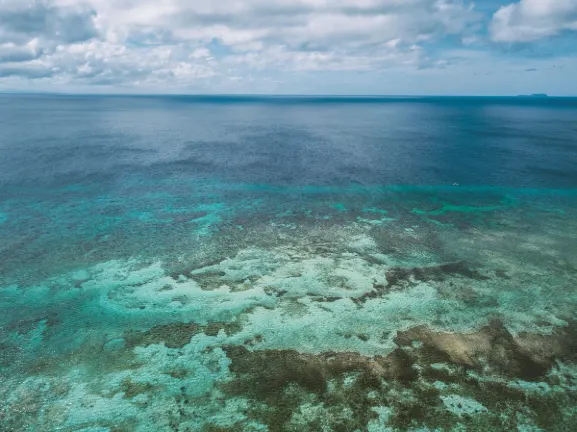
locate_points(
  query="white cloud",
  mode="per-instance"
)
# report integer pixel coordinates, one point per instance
(24, 20)
(530, 20)
(30, 70)
(180, 42)
(11, 52)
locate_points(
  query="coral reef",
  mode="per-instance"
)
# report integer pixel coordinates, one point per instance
(386, 311)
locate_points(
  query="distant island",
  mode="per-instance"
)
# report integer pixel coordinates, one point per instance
(538, 95)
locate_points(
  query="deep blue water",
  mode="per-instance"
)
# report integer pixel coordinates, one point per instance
(508, 142)
(291, 263)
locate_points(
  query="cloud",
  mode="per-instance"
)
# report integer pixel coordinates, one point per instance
(32, 31)
(312, 24)
(531, 20)
(183, 43)
(10, 52)
(24, 20)
(30, 71)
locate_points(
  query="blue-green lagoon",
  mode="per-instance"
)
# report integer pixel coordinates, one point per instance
(287, 264)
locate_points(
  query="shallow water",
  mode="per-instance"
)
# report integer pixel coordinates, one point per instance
(209, 264)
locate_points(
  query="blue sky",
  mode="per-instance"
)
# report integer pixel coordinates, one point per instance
(391, 47)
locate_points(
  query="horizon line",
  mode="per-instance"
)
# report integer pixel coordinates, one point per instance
(283, 95)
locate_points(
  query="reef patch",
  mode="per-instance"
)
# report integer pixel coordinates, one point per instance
(416, 382)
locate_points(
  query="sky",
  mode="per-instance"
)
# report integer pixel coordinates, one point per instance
(355, 47)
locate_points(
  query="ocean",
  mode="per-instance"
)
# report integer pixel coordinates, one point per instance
(180, 263)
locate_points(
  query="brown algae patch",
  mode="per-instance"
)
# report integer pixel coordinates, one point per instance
(177, 335)
(399, 275)
(132, 389)
(494, 350)
(399, 278)
(432, 379)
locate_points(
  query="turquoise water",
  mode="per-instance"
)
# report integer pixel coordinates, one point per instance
(246, 264)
